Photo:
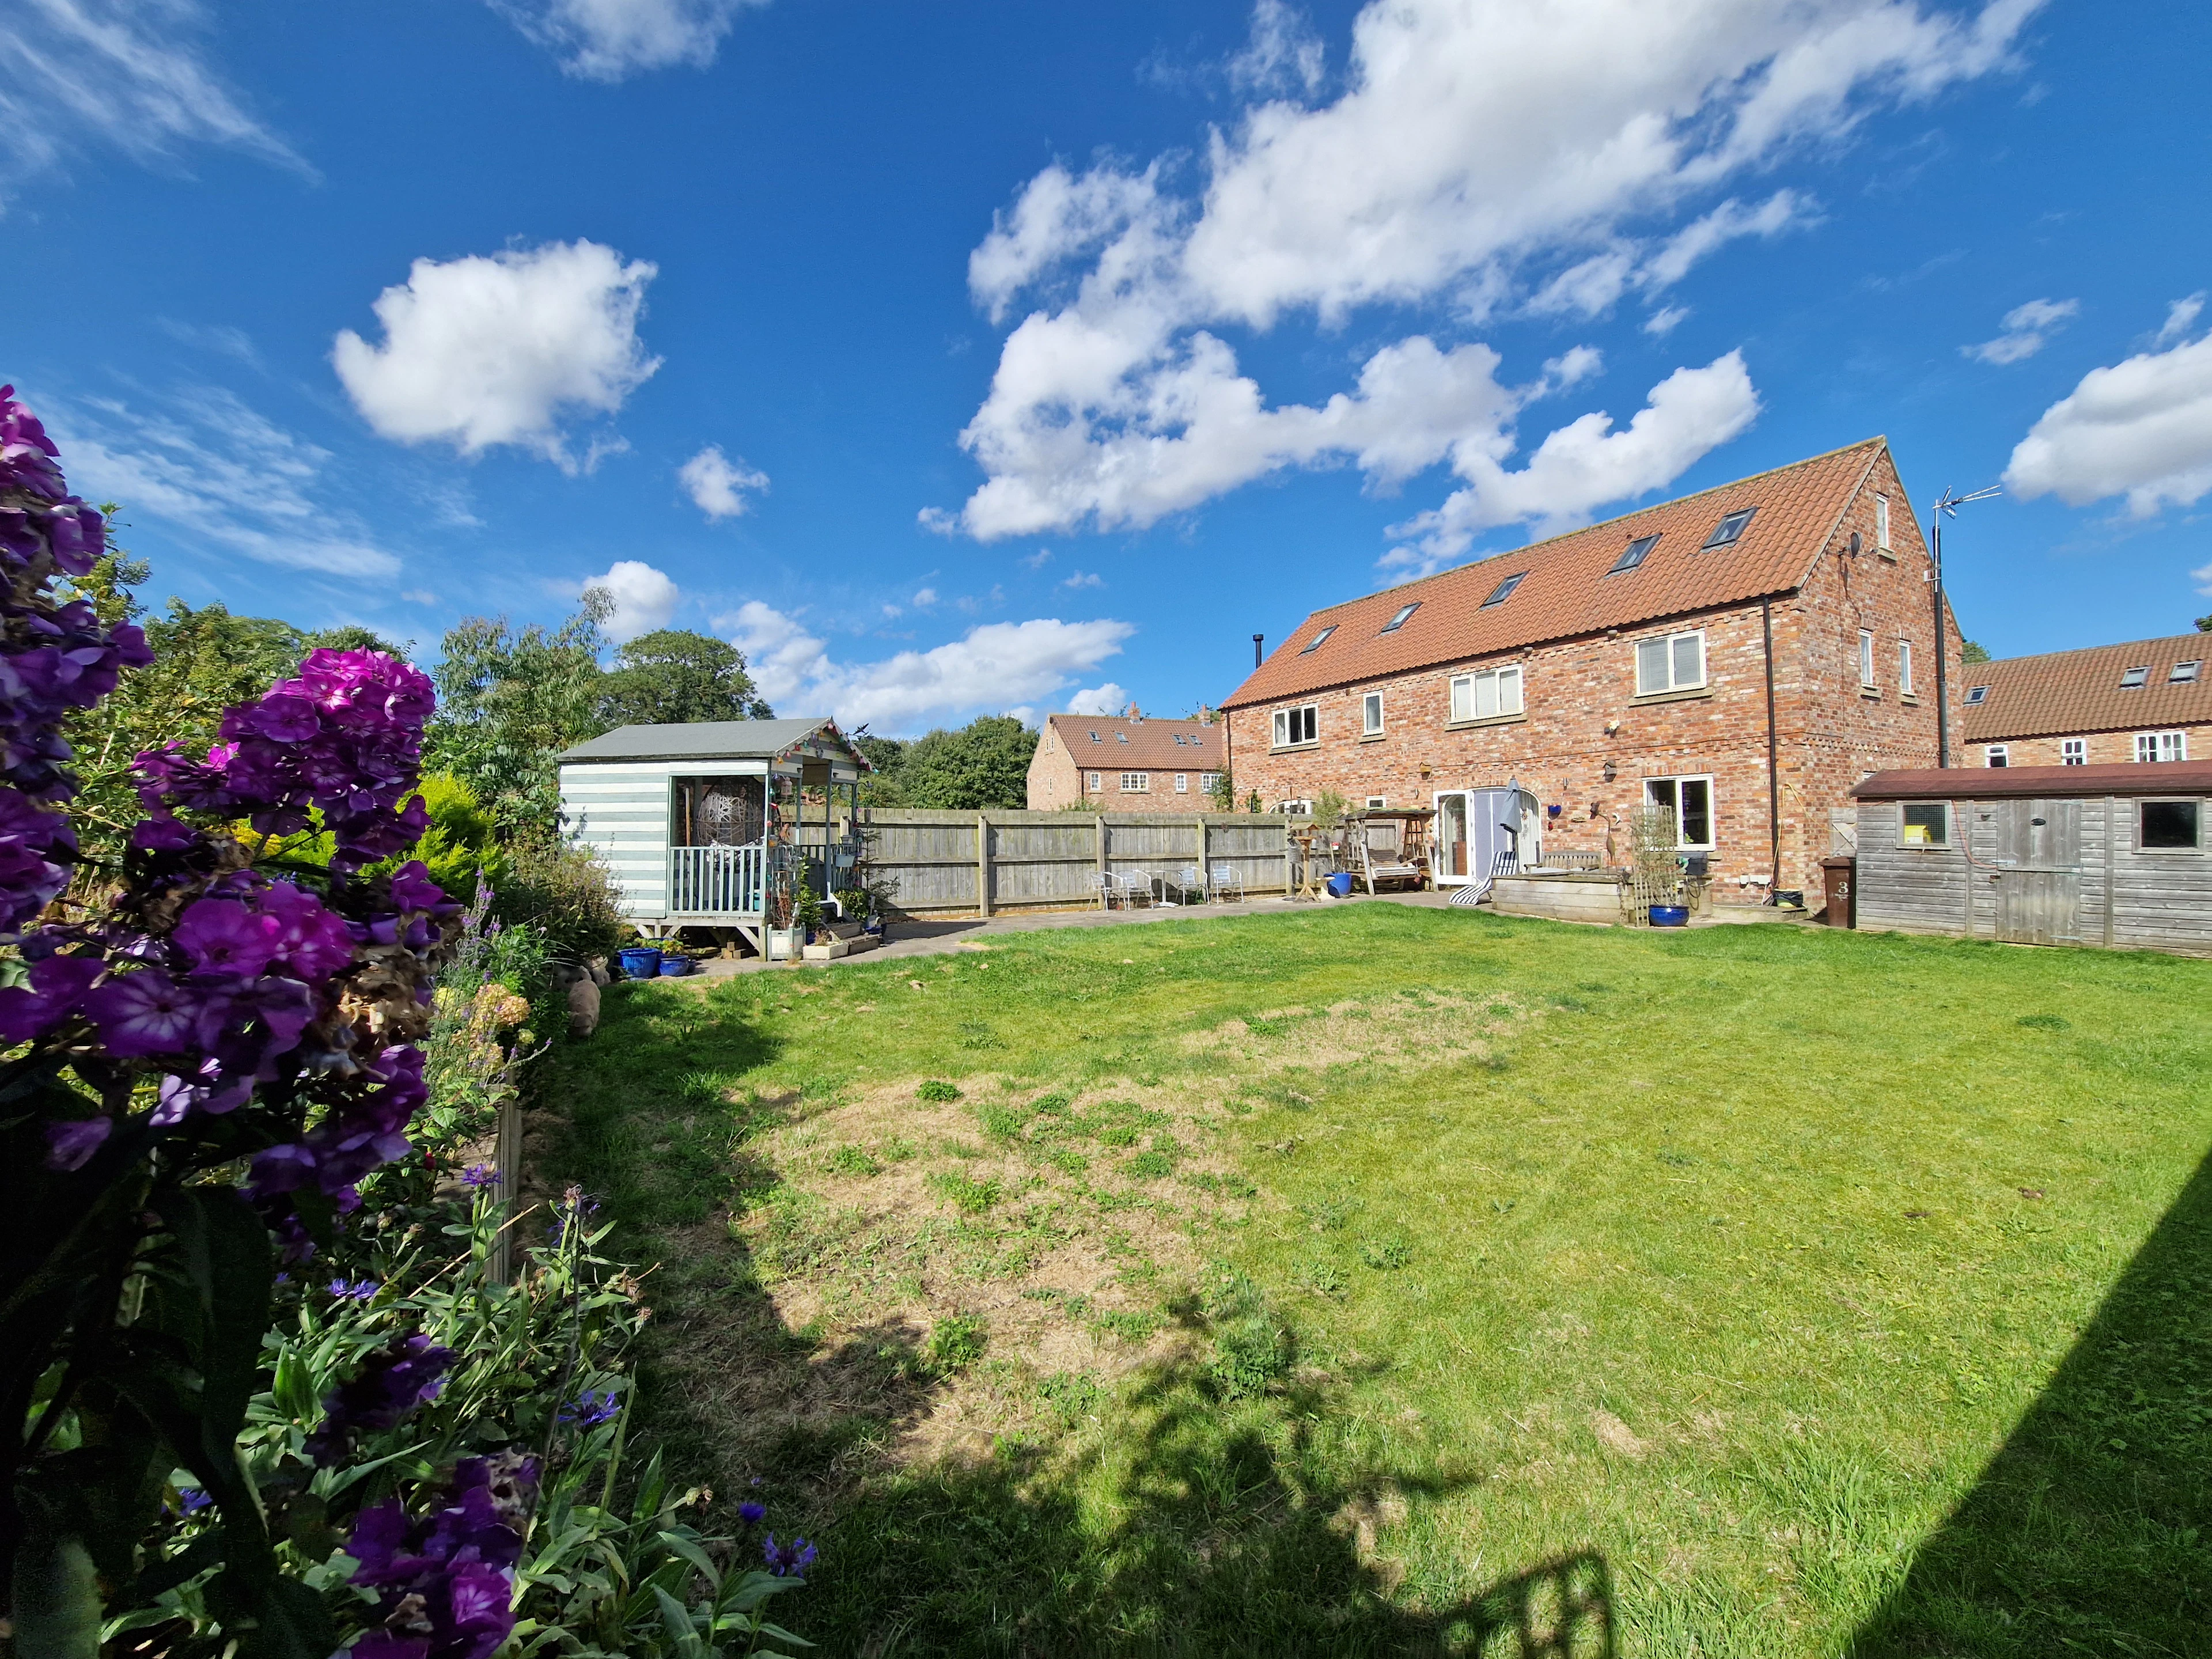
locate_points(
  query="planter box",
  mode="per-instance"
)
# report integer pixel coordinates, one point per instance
(780, 944)
(829, 949)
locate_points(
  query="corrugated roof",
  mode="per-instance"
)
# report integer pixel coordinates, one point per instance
(705, 740)
(1140, 745)
(1995, 783)
(1567, 591)
(2065, 691)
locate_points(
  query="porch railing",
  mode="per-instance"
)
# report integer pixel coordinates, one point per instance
(718, 881)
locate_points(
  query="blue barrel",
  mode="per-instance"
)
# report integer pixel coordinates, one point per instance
(1670, 915)
(639, 962)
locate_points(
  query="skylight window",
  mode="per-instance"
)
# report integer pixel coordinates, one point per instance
(1503, 591)
(1639, 550)
(1729, 528)
(1399, 621)
(1313, 644)
(2135, 678)
(2183, 672)
(1094, 737)
(1979, 694)
(1120, 737)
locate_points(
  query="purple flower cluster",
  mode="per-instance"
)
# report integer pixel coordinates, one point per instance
(343, 738)
(591, 1408)
(393, 1382)
(54, 658)
(446, 1578)
(788, 1560)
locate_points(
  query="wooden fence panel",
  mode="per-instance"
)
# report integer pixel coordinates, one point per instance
(931, 860)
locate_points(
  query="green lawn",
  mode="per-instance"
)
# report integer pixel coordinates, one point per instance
(1375, 1280)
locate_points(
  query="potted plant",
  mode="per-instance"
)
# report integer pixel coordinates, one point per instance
(807, 913)
(780, 940)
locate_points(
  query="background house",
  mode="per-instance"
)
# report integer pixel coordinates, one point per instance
(1125, 764)
(2149, 700)
(1744, 655)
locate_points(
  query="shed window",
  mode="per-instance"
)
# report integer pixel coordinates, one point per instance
(1136, 783)
(1997, 753)
(1494, 692)
(1691, 800)
(2072, 751)
(1371, 715)
(1673, 662)
(2168, 826)
(1634, 555)
(1977, 696)
(1296, 726)
(1315, 643)
(1503, 591)
(2135, 678)
(1730, 528)
(1924, 823)
(2161, 745)
(2183, 672)
(1399, 621)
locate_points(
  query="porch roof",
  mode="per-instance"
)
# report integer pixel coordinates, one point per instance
(706, 740)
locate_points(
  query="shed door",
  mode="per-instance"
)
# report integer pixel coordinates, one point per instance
(2039, 878)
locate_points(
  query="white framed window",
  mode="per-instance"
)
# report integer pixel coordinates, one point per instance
(1866, 660)
(1881, 523)
(1997, 753)
(2161, 745)
(1904, 668)
(1208, 781)
(1376, 802)
(1094, 781)
(1296, 726)
(1924, 824)
(1371, 715)
(1183, 783)
(2169, 826)
(1691, 799)
(1673, 662)
(2185, 673)
(1487, 695)
(1296, 809)
(1136, 783)
(2072, 751)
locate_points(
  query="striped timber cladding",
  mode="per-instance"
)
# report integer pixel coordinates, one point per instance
(621, 812)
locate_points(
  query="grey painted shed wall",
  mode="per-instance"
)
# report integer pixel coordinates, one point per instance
(2129, 898)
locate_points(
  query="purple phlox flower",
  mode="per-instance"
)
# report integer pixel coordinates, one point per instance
(224, 936)
(178, 1098)
(57, 990)
(36, 849)
(163, 834)
(311, 940)
(359, 1289)
(393, 1382)
(481, 1175)
(355, 1138)
(446, 1577)
(751, 1515)
(148, 1012)
(788, 1560)
(70, 1145)
(590, 1409)
(413, 890)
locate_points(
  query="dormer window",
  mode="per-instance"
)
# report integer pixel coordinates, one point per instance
(1399, 621)
(2135, 678)
(1637, 551)
(2183, 673)
(1977, 695)
(1728, 529)
(1315, 643)
(1503, 591)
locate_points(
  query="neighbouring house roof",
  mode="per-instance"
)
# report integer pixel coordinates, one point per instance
(1146, 745)
(1567, 591)
(1995, 783)
(711, 740)
(2064, 691)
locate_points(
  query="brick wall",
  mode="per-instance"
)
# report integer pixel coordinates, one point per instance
(1056, 780)
(1830, 730)
(2105, 748)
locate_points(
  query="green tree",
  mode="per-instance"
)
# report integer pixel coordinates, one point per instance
(673, 676)
(883, 786)
(352, 636)
(983, 765)
(2205, 624)
(1970, 652)
(509, 700)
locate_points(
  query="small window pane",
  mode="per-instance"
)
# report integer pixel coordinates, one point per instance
(1689, 659)
(2134, 678)
(1697, 812)
(1637, 551)
(1462, 698)
(1509, 690)
(2170, 823)
(1485, 696)
(1730, 529)
(1503, 591)
(1183, 783)
(1978, 695)
(1925, 824)
(1315, 643)
(1866, 658)
(2183, 672)
(1997, 755)
(1371, 714)
(1660, 792)
(1881, 522)
(2074, 751)
(1399, 621)
(1651, 667)
(1905, 666)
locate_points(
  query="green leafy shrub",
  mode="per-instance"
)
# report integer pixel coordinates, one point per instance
(956, 1342)
(566, 893)
(937, 1089)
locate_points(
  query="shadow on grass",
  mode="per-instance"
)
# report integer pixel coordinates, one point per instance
(2090, 1531)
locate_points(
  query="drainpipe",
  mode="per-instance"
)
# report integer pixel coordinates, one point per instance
(1773, 765)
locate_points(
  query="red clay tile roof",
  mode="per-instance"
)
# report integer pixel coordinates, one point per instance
(2065, 691)
(1568, 593)
(1991, 782)
(1152, 746)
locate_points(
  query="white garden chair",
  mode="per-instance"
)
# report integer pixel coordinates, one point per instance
(1225, 884)
(1132, 884)
(1105, 886)
(1187, 880)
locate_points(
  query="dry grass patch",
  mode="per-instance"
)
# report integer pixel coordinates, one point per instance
(1411, 1029)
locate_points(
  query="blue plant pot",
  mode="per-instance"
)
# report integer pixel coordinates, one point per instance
(674, 967)
(639, 962)
(1339, 885)
(1670, 915)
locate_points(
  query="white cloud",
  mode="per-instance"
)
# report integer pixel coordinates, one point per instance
(1659, 324)
(1557, 154)
(611, 40)
(481, 352)
(219, 474)
(418, 595)
(2141, 430)
(995, 667)
(2024, 330)
(1036, 559)
(2202, 578)
(1585, 465)
(643, 599)
(1108, 699)
(2180, 317)
(1283, 57)
(717, 485)
(129, 75)
(926, 598)
(1084, 579)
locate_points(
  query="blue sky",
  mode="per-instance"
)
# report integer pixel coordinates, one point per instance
(960, 359)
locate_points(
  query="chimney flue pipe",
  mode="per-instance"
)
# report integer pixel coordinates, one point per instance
(1257, 658)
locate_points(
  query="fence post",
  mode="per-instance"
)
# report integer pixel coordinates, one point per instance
(983, 864)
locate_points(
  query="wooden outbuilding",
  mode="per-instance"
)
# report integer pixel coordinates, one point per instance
(2116, 855)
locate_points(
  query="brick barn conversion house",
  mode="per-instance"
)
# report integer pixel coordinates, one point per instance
(2109, 705)
(1744, 655)
(1125, 764)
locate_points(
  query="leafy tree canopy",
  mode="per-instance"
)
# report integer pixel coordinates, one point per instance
(883, 786)
(983, 765)
(673, 675)
(1971, 652)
